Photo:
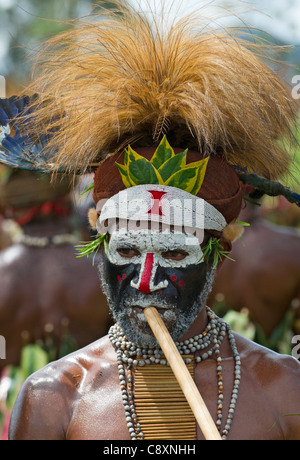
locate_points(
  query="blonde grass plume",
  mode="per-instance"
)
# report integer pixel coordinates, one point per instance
(127, 78)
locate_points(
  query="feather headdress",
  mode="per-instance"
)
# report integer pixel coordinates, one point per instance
(130, 79)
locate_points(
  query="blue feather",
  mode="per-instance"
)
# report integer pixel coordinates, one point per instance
(296, 196)
(20, 147)
(4, 120)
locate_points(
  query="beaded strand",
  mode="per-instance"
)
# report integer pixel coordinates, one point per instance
(129, 356)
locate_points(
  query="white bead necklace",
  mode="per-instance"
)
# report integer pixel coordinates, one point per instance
(129, 356)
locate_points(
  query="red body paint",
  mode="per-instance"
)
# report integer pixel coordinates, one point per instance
(156, 197)
(146, 275)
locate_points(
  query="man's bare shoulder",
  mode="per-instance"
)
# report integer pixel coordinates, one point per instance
(265, 366)
(265, 363)
(70, 369)
(276, 377)
(49, 393)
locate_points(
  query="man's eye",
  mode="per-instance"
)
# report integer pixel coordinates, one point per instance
(175, 255)
(128, 252)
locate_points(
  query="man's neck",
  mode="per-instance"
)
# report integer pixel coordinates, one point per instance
(198, 325)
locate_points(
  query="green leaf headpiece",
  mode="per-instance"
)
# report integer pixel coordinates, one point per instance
(164, 168)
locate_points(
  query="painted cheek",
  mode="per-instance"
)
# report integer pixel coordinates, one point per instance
(181, 283)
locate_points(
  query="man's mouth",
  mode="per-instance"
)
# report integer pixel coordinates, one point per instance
(139, 319)
(137, 309)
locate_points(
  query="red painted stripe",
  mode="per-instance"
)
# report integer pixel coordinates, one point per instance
(155, 200)
(146, 275)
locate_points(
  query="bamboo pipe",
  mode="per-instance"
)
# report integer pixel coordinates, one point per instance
(182, 375)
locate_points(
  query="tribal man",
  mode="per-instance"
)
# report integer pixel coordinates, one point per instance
(173, 120)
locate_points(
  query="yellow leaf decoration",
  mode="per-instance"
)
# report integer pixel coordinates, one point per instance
(140, 170)
(164, 168)
(124, 174)
(163, 153)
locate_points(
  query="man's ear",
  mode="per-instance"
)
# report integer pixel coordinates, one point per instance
(232, 232)
(93, 217)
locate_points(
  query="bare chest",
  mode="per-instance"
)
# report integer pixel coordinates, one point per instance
(99, 412)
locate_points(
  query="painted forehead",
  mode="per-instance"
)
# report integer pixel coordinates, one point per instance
(147, 239)
(156, 243)
(159, 204)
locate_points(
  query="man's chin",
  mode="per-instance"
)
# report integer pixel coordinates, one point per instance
(139, 332)
(140, 327)
(137, 329)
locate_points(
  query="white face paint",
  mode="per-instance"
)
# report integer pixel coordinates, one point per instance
(158, 229)
(150, 250)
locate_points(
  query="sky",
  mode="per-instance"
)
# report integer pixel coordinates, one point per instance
(278, 17)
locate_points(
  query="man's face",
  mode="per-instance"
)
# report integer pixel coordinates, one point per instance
(150, 268)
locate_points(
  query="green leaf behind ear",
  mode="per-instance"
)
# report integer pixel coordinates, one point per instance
(90, 188)
(163, 153)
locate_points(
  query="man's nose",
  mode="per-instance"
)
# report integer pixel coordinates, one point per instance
(147, 274)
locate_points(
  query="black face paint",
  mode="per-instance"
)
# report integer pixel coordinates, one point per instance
(179, 303)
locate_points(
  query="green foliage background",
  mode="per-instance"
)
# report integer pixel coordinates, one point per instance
(26, 23)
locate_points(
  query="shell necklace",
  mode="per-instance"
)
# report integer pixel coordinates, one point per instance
(199, 348)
